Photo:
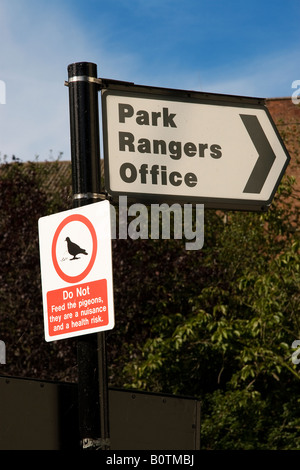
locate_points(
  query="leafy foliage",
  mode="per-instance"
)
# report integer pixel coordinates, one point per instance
(23, 199)
(223, 324)
(217, 324)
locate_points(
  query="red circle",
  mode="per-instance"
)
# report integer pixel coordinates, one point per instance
(84, 220)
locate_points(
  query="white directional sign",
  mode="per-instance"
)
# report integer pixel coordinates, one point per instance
(219, 150)
(76, 271)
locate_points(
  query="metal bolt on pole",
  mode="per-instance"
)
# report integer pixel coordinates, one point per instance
(86, 187)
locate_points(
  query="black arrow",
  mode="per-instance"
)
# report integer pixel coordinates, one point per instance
(266, 156)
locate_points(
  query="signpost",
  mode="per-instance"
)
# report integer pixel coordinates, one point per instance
(159, 145)
(222, 151)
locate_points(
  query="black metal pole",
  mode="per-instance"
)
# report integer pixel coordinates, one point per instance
(86, 186)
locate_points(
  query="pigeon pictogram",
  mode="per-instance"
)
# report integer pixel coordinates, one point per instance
(74, 249)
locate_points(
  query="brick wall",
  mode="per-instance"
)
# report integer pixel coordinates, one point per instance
(286, 116)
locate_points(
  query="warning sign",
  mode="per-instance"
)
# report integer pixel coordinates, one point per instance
(76, 271)
(77, 308)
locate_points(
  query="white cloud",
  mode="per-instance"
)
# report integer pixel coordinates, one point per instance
(32, 70)
(267, 77)
(40, 43)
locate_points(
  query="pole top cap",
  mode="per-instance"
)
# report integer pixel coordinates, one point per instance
(88, 69)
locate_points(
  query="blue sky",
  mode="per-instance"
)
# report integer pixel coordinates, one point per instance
(235, 47)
